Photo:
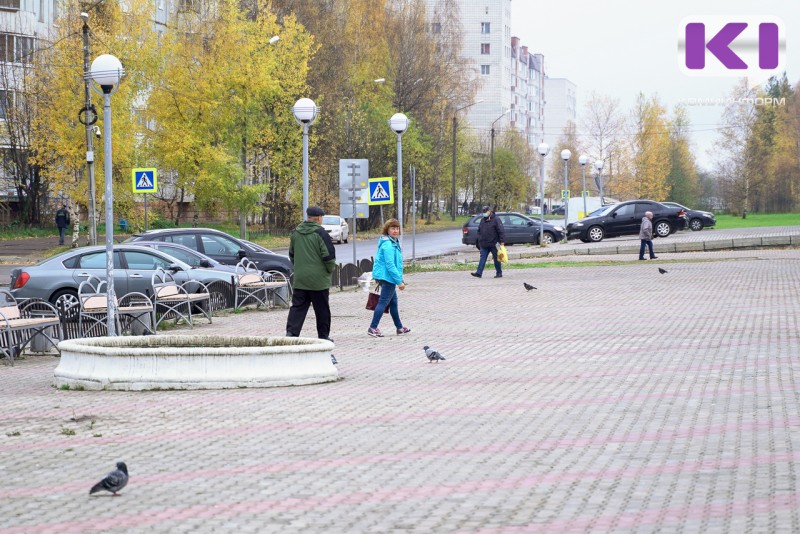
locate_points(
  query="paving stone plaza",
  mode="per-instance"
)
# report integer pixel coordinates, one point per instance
(611, 399)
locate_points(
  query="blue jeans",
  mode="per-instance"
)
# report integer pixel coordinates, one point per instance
(388, 298)
(485, 255)
(649, 243)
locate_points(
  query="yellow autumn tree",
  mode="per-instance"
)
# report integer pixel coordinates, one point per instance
(649, 150)
(58, 143)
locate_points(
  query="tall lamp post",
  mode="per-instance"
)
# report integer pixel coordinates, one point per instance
(454, 207)
(565, 155)
(106, 71)
(583, 160)
(599, 179)
(491, 165)
(543, 150)
(89, 120)
(305, 113)
(399, 124)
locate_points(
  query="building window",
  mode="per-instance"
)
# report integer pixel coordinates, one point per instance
(485, 69)
(436, 27)
(6, 101)
(484, 48)
(16, 48)
(486, 27)
(12, 5)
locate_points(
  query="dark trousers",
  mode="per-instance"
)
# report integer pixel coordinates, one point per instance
(301, 300)
(649, 244)
(61, 231)
(498, 267)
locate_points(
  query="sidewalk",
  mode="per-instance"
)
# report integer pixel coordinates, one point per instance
(621, 401)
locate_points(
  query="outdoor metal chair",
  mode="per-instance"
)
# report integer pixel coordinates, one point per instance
(20, 325)
(171, 300)
(134, 311)
(250, 285)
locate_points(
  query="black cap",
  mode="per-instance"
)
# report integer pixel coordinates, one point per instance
(314, 211)
(487, 208)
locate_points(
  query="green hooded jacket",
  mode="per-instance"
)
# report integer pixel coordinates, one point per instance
(313, 256)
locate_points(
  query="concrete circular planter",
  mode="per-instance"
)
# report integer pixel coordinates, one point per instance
(136, 363)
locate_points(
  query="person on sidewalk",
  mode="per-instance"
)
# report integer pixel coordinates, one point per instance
(387, 271)
(646, 235)
(62, 221)
(490, 233)
(314, 258)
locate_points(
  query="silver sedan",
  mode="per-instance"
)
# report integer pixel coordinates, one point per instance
(56, 279)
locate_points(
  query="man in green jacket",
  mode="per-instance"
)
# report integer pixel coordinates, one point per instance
(313, 256)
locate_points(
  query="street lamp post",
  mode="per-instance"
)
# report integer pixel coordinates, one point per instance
(599, 178)
(89, 120)
(583, 160)
(305, 113)
(565, 155)
(454, 207)
(399, 124)
(491, 165)
(106, 71)
(543, 150)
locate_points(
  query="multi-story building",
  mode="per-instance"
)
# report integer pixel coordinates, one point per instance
(560, 109)
(512, 77)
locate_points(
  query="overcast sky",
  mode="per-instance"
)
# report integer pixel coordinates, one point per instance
(621, 47)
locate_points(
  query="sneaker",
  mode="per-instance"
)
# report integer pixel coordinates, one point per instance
(499, 275)
(404, 330)
(642, 259)
(374, 332)
(653, 257)
(476, 275)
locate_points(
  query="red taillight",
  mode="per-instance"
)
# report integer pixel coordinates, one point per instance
(682, 214)
(21, 280)
(466, 230)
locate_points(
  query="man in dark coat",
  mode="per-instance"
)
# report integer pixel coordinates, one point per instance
(62, 221)
(314, 258)
(490, 233)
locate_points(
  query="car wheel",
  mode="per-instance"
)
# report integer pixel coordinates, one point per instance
(663, 229)
(548, 238)
(585, 240)
(696, 225)
(219, 298)
(66, 302)
(596, 234)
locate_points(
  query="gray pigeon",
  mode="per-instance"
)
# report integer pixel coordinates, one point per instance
(114, 481)
(432, 354)
(662, 271)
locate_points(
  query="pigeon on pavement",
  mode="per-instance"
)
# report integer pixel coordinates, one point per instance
(333, 360)
(432, 354)
(114, 481)
(662, 271)
(528, 286)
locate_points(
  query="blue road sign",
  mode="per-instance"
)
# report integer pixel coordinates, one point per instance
(380, 191)
(145, 180)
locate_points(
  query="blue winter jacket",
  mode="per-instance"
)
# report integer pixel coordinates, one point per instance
(388, 261)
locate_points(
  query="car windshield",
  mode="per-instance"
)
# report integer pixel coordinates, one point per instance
(603, 211)
(330, 220)
(256, 247)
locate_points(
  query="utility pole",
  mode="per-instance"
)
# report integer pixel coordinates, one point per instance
(88, 121)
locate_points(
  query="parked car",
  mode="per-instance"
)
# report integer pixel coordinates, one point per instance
(187, 255)
(56, 279)
(519, 229)
(337, 227)
(218, 246)
(625, 218)
(696, 219)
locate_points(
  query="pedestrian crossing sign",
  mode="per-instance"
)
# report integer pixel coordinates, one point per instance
(380, 191)
(145, 180)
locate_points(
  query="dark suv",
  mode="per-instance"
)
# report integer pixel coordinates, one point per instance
(219, 246)
(519, 229)
(625, 218)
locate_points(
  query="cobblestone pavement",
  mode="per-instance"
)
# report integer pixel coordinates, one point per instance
(610, 399)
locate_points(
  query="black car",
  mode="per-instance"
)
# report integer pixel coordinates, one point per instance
(519, 229)
(219, 246)
(625, 218)
(697, 220)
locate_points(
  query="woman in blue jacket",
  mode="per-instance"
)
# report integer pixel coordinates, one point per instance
(388, 272)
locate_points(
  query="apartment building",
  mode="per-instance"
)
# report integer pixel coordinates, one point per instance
(560, 108)
(512, 87)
